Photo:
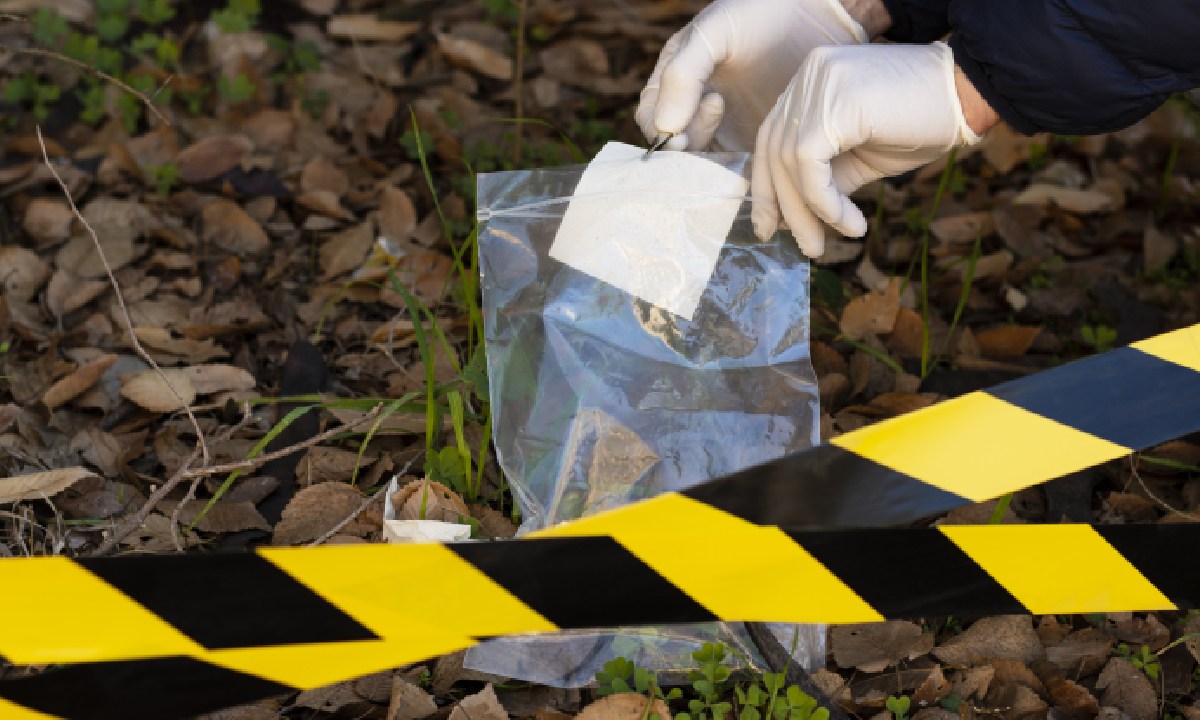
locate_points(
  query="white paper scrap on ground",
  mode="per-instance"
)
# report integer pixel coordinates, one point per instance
(653, 227)
(423, 531)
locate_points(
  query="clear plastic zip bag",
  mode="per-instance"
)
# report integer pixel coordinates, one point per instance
(600, 397)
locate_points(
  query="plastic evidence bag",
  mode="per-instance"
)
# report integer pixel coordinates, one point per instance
(640, 339)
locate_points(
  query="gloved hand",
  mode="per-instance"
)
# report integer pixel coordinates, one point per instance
(851, 116)
(722, 72)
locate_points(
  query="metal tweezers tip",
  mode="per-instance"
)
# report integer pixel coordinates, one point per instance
(659, 142)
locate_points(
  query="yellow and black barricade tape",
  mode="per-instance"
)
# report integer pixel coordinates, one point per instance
(171, 636)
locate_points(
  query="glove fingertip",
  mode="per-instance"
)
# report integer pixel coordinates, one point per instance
(677, 142)
(764, 221)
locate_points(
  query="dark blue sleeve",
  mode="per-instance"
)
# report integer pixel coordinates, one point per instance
(1076, 67)
(917, 21)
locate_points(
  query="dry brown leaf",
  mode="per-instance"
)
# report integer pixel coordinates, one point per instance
(320, 174)
(66, 293)
(315, 511)
(1072, 199)
(324, 203)
(117, 223)
(156, 338)
(270, 130)
(74, 385)
(1158, 248)
(369, 27)
(1004, 148)
(1008, 637)
(48, 220)
(871, 313)
(1007, 341)
(973, 682)
(988, 267)
(397, 215)
(409, 701)
(327, 464)
(223, 517)
(346, 250)
(1071, 697)
(40, 484)
(475, 56)
(211, 157)
(1081, 653)
(424, 273)
(216, 377)
(439, 502)
(1127, 688)
(872, 647)
(225, 224)
(933, 688)
(963, 228)
(622, 706)
(493, 523)
(148, 389)
(23, 273)
(483, 705)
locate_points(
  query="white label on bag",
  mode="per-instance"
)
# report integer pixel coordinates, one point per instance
(653, 227)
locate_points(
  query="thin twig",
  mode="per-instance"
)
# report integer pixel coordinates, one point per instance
(247, 416)
(112, 541)
(112, 279)
(258, 460)
(147, 101)
(185, 473)
(1137, 476)
(365, 504)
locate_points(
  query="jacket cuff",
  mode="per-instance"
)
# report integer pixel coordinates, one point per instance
(917, 21)
(978, 76)
(901, 28)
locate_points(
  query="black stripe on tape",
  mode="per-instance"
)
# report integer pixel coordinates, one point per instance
(583, 582)
(826, 486)
(909, 573)
(1124, 396)
(138, 689)
(1167, 555)
(229, 600)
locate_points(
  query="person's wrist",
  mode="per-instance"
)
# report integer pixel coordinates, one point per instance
(980, 115)
(871, 14)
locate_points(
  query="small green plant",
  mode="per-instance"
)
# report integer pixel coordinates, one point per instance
(164, 49)
(1143, 659)
(776, 700)
(1039, 155)
(710, 682)
(713, 695)
(112, 19)
(155, 12)
(26, 89)
(164, 177)
(238, 16)
(898, 706)
(236, 90)
(1099, 338)
(622, 676)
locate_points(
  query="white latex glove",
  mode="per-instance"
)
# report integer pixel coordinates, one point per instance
(851, 115)
(722, 72)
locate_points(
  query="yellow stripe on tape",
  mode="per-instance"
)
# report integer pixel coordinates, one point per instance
(388, 588)
(319, 664)
(985, 447)
(1057, 569)
(670, 533)
(56, 612)
(1181, 347)
(12, 711)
